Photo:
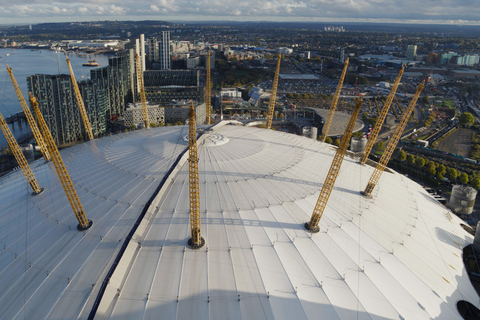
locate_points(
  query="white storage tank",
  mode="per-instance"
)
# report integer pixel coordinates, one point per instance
(310, 132)
(462, 199)
(358, 144)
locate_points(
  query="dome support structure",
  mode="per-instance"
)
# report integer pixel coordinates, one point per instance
(391, 146)
(313, 225)
(67, 184)
(196, 241)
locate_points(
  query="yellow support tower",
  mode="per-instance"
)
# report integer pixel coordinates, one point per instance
(31, 121)
(327, 187)
(146, 120)
(208, 92)
(380, 120)
(369, 105)
(329, 119)
(196, 241)
(22, 162)
(376, 106)
(398, 105)
(273, 94)
(81, 106)
(391, 146)
(83, 222)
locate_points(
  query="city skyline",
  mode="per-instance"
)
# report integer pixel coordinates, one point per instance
(409, 11)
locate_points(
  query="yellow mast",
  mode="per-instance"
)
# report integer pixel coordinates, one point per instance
(329, 119)
(208, 92)
(146, 120)
(327, 187)
(81, 106)
(196, 241)
(391, 145)
(273, 94)
(29, 116)
(380, 120)
(83, 222)
(22, 162)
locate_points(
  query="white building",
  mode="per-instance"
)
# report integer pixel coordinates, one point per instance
(164, 50)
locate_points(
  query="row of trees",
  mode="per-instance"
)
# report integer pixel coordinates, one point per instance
(437, 170)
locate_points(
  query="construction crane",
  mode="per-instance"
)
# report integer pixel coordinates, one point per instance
(391, 145)
(31, 121)
(146, 120)
(329, 119)
(196, 241)
(81, 106)
(208, 92)
(83, 222)
(369, 105)
(273, 94)
(380, 120)
(329, 183)
(22, 162)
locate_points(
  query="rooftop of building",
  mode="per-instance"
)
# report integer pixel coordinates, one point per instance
(396, 256)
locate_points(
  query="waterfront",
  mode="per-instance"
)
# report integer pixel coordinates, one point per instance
(25, 62)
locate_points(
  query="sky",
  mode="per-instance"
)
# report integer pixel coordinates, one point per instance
(397, 11)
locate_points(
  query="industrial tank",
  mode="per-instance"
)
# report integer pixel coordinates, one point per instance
(310, 132)
(462, 199)
(358, 144)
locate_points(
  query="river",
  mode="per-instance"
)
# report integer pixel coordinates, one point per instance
(26, 62)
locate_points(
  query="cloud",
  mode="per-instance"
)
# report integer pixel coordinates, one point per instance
(280, 10)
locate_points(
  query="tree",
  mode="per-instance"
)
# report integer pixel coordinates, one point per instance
(327, 139)
(452, 174)
(441, 169)
(336, 142)
(464, 178)
(401, 155)
(411, 159)
(431, 170)
(466, 119)
(439, 176)
(420, 162)
(380, 146)
(475, 183)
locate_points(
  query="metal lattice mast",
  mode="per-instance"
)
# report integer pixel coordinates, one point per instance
(391, 145)
(146, 120)
(196, 241)
(327, 187)
(376, 106)
(329, 119)
(81, 106)
(31, 121)
(83, 222)
(208, 92)
(22, 162)
(273, 94)
(380, 120)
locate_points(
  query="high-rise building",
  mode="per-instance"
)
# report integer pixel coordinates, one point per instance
(411, 52)
(152, 46)
(58, 105)
(116, 79)
(164, 50)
